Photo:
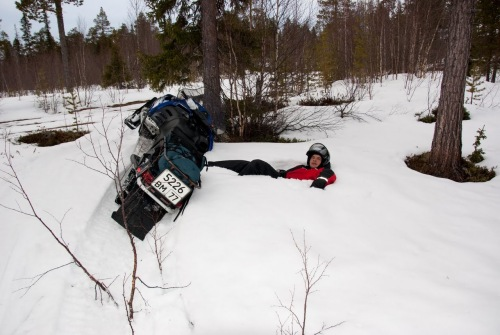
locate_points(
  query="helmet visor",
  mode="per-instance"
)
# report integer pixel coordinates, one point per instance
(318, 148)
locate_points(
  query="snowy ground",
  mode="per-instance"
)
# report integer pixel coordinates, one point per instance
(412, 254)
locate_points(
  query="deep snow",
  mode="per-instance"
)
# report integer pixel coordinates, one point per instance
(412, 254)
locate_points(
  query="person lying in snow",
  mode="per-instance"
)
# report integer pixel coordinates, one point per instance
(317, 168)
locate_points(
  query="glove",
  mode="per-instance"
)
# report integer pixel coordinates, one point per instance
(327, 173)
(319, 182)
(282, 173)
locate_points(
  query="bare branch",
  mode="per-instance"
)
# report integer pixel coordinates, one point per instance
(311, 275)
(158, 247)
(162, 287)
(129, 313)
(109, 157)
(306, 119)
(34, 213)
(37, 278)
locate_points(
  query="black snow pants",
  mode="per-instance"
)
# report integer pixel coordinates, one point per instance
(246, 168)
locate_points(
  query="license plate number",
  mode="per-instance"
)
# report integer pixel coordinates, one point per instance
(173, 189)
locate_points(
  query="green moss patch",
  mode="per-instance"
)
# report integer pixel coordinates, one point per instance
(473, 173)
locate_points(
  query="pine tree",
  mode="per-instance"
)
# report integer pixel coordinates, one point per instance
(5, 46)
(35, 9)
(99, 34)
(49, 42)
(360, 56)
(486, 38)
(28, 48)
(477, 154)
(327, 59)
(446, 153)
(72, 103)
(474, 84)
(43, 40)
(115, 73)
(180, 38)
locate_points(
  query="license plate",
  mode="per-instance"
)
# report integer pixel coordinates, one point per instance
(171, 187)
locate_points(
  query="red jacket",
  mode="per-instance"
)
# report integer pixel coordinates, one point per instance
(303, 172)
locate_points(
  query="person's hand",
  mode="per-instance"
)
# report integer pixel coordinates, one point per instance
(322, 180)
(319, 182)
(327, 173)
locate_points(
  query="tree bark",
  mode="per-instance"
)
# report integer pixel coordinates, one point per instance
(211, 77)
(446, 154)
(64, 46)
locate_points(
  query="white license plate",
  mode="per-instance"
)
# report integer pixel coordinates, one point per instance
(171, 187)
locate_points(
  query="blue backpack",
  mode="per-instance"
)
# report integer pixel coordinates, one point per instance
(185, 128)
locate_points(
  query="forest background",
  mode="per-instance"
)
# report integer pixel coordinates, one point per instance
(268, 49)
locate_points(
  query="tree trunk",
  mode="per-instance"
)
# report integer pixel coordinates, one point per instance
(494, 72)
(64, 46)
(446, 154)
(211, 80)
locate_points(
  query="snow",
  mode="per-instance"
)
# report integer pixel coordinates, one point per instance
(410, 253)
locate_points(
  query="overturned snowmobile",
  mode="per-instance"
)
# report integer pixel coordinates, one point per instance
(175, 133)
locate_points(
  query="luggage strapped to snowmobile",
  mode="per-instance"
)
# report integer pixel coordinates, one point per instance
(177, 133)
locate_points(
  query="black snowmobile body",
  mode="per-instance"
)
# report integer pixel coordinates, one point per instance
(162, 179)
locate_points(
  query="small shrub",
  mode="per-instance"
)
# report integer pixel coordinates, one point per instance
(289, 140)
(72, 104)
(115, 73)
(478, 174)
(477, 154)
(466, 114)
(324, 101)
(48, 138)
(473, 84)
(431, 117)
(259, 126)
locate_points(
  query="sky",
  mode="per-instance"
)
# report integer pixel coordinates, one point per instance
(116, 10)
(410, 253)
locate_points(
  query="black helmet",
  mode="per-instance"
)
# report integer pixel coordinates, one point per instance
(319, 149)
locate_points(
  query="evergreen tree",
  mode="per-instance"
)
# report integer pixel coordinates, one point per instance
(486, 38)
(17, 46)
(43, 40)
(102, 27)
(48, 39)
(72, 104)
(477, 155)
(115, 73)
(180, 38)
(5, 46)
(5, 57)
(35, 10)
(327, 59)
(28, 47)
(336, 24)
(474, 84)
(360, 55)
(99, 34)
